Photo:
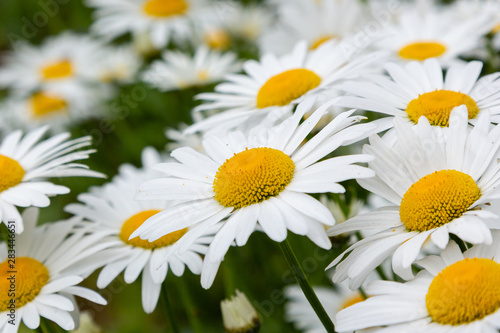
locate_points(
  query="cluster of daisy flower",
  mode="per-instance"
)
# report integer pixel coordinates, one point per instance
(370, 128)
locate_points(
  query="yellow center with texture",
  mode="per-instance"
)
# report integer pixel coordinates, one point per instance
(136, 221)
(285, 87)
(437, 105)
(58, 70)
(44, 104)
(165, 8)
(465, 291)
(437, 199)
(29, 279)
(12, 173)
(252, 176)
(422, 50)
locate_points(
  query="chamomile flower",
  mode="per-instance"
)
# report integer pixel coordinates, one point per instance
(454, 293)
(314, 22)
(44, 276)
(439, 181)
(260, 178)
(119, 64)
(231, 21)
(114, 213)
(273, 86)
(419, 89)
(178, 70)
(423, 32)
(25, 163)
(157, 20)
(299, 311)
(64, 61)
(55, 107)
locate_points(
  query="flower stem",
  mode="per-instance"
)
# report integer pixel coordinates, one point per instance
(189, 306)
(304, 284)
(164, 295)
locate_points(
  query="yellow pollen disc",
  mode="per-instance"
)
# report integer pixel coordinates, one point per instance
(203, 75)
(465, 291)
(44, 104)
(352, 300)
(285, 87)
(252, 176)
(437, 105)
(320, 41)
(30, 277)
(165, 8)
(218, 39)
(136, 221)
(58, 70)
(422, 50)
(12, 173)
(496, 29)
(437, 199)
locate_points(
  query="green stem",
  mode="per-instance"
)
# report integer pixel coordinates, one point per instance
(189, 306)
(168, 306)
(304, 284)
(228, 277)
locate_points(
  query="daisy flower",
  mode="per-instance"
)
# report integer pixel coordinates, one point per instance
(431, 31)
(273, 86)
(25, 162)
(119, 64)
(44, 279)
(299, 311)
(231, 21)
(55, 107)
(63, 61)
(314, 22)
(238, 314)
(439, 181)
(178, 70)
(157, 20)
(260, 178)
(115, 214)
(454, 293)
(419, 89)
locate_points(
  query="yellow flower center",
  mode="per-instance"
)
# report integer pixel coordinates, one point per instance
(165, 8)
(496, 28)
(57, 70)
(12, 173)
(465, 291)
(29, 278)
(252, 176)
(437, 105)
(437, 199)
(285, 87)
(218, 39)
(43, 104)
(320, 41)
(136, 221)
(422, 50)
(358, 298)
